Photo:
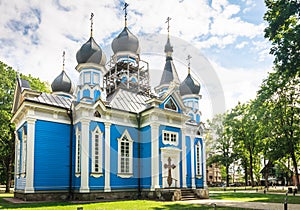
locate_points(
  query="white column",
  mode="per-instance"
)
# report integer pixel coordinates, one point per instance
(204, 164)
(30, 155)
(183, 160)
(84, 187)
(107, 158)
(193, 161)
(154, 156)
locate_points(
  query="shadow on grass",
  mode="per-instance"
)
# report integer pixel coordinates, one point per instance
(255, 197)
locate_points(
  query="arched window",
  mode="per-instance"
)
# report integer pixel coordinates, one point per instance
(192, 117)
(198, 160)
(97, 114)
(125, 154)
(198, 118)
(97, 151)
(24, 150)
(78, 151)
(18, 145)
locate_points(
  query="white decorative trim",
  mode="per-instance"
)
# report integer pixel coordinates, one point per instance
(17, 154)
(97, 132)
(30, 156)
(198, 160)
(130, 157)
(193, 161)
(96, 175)
(170, 135)
(172, 101)
(204, 164)
(77, 152)
(84, 187)
(107, 158)
(155, 156)
(126, 175)
(183, 159)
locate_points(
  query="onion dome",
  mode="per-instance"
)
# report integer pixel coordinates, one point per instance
(189, 86)
(62, 83)
(90, 52)
(126, 41)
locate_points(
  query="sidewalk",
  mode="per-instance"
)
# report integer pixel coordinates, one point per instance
(240, 204)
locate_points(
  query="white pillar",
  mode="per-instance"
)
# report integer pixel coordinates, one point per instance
(193, 161)
(204, 164)
(30, 155)
(84, 187)
(183, 160)
(107, 158)
(154, 156)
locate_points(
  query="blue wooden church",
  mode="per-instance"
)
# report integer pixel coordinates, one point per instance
(111, 136)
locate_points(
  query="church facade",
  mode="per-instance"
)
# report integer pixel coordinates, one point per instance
(111, 136)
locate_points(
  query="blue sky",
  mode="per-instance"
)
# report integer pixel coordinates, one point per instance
(229, 33)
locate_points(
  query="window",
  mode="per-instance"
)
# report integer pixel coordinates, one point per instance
(125, 145)
(198, 161)
(170, 137)
(24, 150)
(78, 151)
(18, 162)
(97, 151)
(87, 77)
(170, 105)
(96, 78)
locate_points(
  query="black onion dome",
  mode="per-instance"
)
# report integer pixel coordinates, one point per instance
(62, 83)
(189, 86)
(126, 41)
(90, 52)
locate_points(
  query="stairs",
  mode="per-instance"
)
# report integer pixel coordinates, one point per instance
(187, 194)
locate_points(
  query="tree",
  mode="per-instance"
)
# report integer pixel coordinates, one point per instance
(7, 136)
(222, 145)
(284, 33)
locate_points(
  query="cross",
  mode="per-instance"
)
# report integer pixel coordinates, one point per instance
(63, 60)
(189, 64)
(168, 28)
(125, 9)
(91, 19)
(169, 166)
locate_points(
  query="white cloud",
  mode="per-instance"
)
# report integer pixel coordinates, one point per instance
(241, 45)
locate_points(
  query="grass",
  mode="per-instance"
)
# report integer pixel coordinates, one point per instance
(254, 197)
(114, 205)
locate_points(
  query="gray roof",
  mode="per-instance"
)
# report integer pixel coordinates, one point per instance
(168, 46)
(52, 100)
(128, 101)
(90, 52)
(189, 86)
(62, 83)
(24, 84)
(169, 73)
(126, 41)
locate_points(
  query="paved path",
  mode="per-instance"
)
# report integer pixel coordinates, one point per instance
(240, 204)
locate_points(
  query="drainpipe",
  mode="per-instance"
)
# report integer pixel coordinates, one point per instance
(138, 117)
(70, 114)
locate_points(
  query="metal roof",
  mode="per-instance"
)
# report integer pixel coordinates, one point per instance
(128, 101)
(53, 100)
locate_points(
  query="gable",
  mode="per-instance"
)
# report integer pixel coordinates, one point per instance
(173, 102)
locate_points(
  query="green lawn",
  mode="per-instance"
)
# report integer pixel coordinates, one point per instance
(115, 205)
(254, 197)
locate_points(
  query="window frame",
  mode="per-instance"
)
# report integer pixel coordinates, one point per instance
(129, 173)
(169, 134)
(99, 148)
(18, 154)
(78, 153)
(24, 152)
(198, 160)
(172, 101)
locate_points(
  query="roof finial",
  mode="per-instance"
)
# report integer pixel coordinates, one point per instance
(189, 64)
(63, 68)
(91, 19)
(125, 10)
(168, 28)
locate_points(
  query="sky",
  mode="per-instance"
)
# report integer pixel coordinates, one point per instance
(230, 56)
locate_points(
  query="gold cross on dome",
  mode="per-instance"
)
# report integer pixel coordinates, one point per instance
(64, 54)
(189, 63)
(168, 28)
(91, 19)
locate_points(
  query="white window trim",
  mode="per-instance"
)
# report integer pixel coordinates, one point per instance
(130, 173)
(18, 150)
(87, 77)
(98, 173)
(169, 108)
(170, 133)
(78, 152)
(24, 153)
(198, 154)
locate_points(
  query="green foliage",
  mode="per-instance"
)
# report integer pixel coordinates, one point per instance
(284, 33)
(7, 86)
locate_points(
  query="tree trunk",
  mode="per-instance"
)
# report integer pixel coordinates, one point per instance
(267, 167)
(251, 170)
(227, 175)
(296, 170)
(246, 175)
(8, 175)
